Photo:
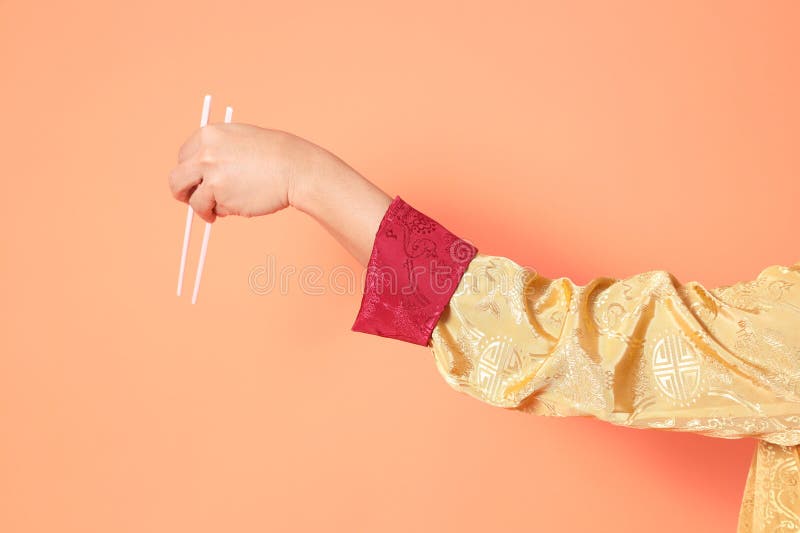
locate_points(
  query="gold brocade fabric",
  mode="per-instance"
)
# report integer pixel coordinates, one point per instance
(643, 352)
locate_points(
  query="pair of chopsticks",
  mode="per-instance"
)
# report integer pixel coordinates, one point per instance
(190, 215)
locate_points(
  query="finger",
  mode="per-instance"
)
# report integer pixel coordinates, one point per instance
(220, 211)
(192, 144)
(202, 201)
(184, 178)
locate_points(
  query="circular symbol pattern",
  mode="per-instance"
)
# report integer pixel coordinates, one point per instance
(676, 369)
(497, 361)
(461, 250)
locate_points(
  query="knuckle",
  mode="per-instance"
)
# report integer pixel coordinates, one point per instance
(211, 180)
(208, 133)
(205, 155)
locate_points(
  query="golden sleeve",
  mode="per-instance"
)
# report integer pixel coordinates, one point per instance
(646, 352)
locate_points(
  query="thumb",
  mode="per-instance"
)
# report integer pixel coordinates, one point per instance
(202, 201)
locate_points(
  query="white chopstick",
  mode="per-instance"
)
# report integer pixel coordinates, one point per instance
(190, 213)
(206, 233)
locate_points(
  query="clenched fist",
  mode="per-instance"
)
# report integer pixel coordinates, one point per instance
(246, 170)
(241, 169)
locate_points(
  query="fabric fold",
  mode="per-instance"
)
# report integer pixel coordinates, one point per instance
(771, 500)
(646, 352)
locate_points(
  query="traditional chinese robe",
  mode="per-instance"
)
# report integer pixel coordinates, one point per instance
(646, 352)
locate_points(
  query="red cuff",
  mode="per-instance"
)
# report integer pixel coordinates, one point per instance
(414, 269)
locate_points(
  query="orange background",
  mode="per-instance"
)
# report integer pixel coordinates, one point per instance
(580, 138)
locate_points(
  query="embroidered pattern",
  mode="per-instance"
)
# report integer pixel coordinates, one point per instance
(646, 352)
(415, 266)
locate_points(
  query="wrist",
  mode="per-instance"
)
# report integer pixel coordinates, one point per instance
(347, 204)
(297, 194)
(307, 191)
(314, 180)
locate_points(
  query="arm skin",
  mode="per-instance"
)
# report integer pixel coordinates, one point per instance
(246, 170)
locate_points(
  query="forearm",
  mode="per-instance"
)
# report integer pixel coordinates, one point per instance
(344, 202)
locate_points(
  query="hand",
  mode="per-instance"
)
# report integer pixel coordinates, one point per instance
(241, 169)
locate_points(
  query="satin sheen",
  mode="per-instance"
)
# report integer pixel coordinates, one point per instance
(645, 352)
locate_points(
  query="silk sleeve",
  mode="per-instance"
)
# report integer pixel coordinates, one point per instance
(645, 352)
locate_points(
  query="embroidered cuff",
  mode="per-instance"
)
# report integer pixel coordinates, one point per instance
(413, 271)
